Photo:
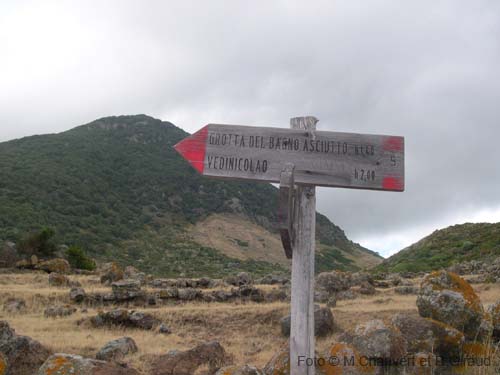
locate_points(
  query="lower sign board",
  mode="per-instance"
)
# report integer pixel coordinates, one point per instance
(348, 160)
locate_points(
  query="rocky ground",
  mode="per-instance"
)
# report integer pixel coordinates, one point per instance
(54, 320)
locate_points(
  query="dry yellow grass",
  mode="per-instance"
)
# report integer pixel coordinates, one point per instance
(250, 332)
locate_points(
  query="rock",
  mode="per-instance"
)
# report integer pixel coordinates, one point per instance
(3, 364)
(134, 274)
(275, 295)
(332, 302)
(69, 364)
(346, 295)
(243, 278)
(323, 322)
(125, 318)
(164, 329)
(404, 290)
(189, 294)
(57, 265)
(24, 355)
(117, 349)
(333, 282)
(375, 339)
(494, 314)
(447, 298)
(239, 370)
(56, 279)
(367, 289)
(427, 335)
(59, 311)
(252, 293)
(211, 354)
(127, 289)
(343, 358)
(381, 284)
(279, 363)
(111, 272)
(273, 280)
(321, 296)
(14, 306)
(77, 295)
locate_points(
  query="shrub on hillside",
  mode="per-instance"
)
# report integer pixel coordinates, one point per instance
(78, 259)
(39, 243)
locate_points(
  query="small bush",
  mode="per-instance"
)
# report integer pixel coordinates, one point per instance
(78, 259)
(39, 243)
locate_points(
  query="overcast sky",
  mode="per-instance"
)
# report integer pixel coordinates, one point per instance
(427, 70)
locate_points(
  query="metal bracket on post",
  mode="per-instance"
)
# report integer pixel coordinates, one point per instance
(286, 209)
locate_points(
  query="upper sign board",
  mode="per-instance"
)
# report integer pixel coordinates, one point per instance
(348, 160)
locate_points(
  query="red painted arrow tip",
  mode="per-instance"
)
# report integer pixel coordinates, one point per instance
(193, 148)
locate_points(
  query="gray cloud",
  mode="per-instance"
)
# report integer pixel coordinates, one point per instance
(427, 70)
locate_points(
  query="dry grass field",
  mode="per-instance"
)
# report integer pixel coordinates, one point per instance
(250, 332)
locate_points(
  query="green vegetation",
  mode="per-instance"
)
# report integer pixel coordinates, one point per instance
(117, 188)
(78, 259)
(39, 243)
(445, 247)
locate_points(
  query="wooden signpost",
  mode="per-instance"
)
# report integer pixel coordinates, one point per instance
(298, 159)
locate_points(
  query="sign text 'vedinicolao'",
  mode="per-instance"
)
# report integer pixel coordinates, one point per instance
(349, 160)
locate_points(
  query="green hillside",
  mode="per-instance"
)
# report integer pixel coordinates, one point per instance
(447, 246)
(117, 188)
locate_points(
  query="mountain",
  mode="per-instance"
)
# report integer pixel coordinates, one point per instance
(447, 246)
(117, 188)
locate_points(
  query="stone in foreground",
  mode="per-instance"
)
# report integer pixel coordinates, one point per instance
(117, 349)
(69, 364)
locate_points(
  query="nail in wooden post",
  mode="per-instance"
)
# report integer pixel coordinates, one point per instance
(302, 318)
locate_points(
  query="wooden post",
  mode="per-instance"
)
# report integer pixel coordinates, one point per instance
(302, 341)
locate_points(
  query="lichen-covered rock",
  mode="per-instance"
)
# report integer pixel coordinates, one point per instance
(427, 335)
(111, 272)
(375, 339)
(77, 295)
(14, 306)
(446, 297)
(23, 354)
(117, 349)
(238, 370)
(324, 323)
(56, 279)
(494, 315)
(279, 363)
(59, 311)
(344, 359)
(57, 265)
(211, 354)
(3, 364)
(69, 364)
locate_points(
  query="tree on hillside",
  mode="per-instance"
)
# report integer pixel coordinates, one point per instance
(39, 243)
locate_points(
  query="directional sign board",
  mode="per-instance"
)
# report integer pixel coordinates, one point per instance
(349, 160)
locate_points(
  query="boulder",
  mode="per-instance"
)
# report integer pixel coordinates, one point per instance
(375, 339)
(252, 293)
(494, 314)
(127, 289)
(343, 358)
(275, 295)
(279, 363)
(405, 290)
(242, 278)
(274, 279)
(346, 295)
(111, 272)
(56, 279)
(164, 329)
(239, 370)
(125, 318)
(189, 294)
(59, 311)
(447, 298)
(367, 289)
(333, 282)
(57, 265)
(323, 322)
(23, 354)
(77, 295)
(117, 349)
(211, 354)
(69, 364)
(14, 306)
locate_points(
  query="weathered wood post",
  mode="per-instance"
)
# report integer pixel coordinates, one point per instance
(302, 341)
